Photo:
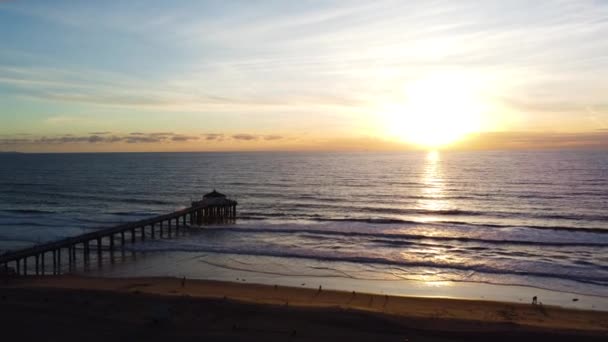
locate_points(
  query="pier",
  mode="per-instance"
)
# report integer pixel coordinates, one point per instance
(214, 207)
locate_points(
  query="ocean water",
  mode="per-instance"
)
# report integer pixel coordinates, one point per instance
(536, 219)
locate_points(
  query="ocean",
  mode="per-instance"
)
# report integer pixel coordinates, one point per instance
(535, 219)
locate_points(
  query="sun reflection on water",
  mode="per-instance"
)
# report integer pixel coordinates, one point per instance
(441, 283)
(433, 191)
(433, 156)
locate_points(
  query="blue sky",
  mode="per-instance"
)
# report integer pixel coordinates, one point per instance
(309, 72)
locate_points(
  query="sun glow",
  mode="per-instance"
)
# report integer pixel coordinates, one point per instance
(436, 111)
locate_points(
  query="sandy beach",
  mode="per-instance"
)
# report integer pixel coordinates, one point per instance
(71, 307)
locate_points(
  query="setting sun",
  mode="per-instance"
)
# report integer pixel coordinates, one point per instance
(436, 111)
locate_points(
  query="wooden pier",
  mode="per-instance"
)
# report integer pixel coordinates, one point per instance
(33, 260)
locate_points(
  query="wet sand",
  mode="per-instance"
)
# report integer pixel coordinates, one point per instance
(73, 307)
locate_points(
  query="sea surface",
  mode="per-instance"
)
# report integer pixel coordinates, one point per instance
(535, 219)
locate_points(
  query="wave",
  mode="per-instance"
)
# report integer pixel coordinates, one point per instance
(81, 196)
(476, 268)
(507, 226)
(325, 200)
(402, 198)
(100, 223)
(132, 213)
(397, 239)
(29, 223)
(316, 217)
(300, 207)
(601, 218)
(342, 274)
(385, 210)
(396, 211)
(528, 183)
(24, 184)
(27, 211)
(537, 196)
(370, 220)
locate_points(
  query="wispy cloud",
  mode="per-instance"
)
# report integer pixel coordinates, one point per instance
(214, 136)
(144, 139)
(65, 120)
(184, 138)
(97, 138)
(529, 140)
(272, 137)
(247, 137)
(134, 138)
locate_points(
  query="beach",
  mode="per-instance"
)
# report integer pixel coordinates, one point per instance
(71, 307)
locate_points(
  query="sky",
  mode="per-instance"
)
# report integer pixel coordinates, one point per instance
(302, 75)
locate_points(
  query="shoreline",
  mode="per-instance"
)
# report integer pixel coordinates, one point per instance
(429, 314)
(212, 266)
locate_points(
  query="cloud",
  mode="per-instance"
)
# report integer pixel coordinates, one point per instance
(66, 120)
(96, 139)
(247, 137)
(214, 136)
(272, 137)
(14, 141)
(253, 137)
(66, 139)
(183, 138)
(554, 106)
(143, 139)
(102, 138)
(113, 139)
(535, 140)
(597, 139)
(133, 138)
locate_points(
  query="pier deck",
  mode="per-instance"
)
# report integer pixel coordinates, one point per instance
(124, 233)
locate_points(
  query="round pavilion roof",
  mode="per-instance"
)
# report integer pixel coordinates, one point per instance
(214, 194)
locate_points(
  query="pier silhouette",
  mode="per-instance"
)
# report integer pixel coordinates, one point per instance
(213, 208)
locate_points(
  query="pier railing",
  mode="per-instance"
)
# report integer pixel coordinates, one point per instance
(125, 233)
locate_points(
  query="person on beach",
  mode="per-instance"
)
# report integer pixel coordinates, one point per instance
(534, 300)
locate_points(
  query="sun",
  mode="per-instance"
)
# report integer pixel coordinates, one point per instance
(436, 111)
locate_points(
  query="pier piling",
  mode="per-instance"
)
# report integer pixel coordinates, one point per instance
(59, 260)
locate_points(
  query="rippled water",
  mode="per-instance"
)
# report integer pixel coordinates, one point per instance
(528, 218)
